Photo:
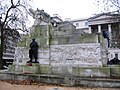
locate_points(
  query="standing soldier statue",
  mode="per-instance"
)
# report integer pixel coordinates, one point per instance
(33, 51)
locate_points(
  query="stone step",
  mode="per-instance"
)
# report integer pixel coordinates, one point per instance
(32, 68)
(62, 80)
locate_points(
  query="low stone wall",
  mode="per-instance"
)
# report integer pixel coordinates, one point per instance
(67, 80)
(110, 71)
(65, 75)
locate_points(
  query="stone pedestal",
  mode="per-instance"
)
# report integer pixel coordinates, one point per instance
(32, 68)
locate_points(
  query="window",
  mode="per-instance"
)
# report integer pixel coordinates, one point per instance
(86, 23)
(77, 24)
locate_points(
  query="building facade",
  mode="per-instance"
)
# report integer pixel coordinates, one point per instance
(11, 38)
(81, 25)
(108, 22)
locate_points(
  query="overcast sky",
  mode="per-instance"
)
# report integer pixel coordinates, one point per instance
(73, 9)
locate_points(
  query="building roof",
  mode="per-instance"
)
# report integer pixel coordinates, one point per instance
(80, 19)
(114, 13)
(57, 19)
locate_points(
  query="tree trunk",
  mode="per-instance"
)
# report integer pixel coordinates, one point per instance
(1, 48)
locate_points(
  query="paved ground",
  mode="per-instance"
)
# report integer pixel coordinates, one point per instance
(8, 86)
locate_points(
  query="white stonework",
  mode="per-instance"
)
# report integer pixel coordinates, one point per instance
(112, 52)
(76, 54)
(21, 56)
(88, 54)
(44, 56)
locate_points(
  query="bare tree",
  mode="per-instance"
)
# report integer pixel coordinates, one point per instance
(14, 15)
(108, 5)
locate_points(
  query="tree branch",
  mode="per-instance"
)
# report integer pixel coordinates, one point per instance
(18, 3)
(12, 4)
(6, 16)
(113, 2)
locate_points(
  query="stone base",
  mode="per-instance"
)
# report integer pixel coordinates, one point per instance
(91, 71)
(35, 68)
(62, 80)
(28, 68)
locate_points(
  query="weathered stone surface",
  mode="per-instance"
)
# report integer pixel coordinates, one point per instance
(21, 56)
(11, 68)
(16, 68)
(45, 69)
(33, 68)
(115, 70)
(75, 71)
(94, 71)
(64, 70)
(67, 55)
(76, 54)
(86, 38)
(62, 80)
(30, 69)
(91, 71)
